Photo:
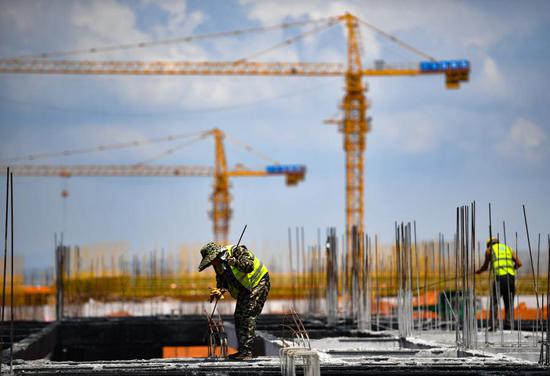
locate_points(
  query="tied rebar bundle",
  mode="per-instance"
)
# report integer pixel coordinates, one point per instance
(360, 289)
(332, 276)
(465, 255)
(403, 251)
(296, 348)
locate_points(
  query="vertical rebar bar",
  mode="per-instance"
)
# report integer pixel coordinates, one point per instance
(291, 268)
(417, 267)
(517, 292)
(466, 278)
(376, 261)
(473, 272)
(539, 314)
(510, 314)
(535, 282)
(456, 301)
(5, 260)
(11, 274)
(331, 252)
(547, 361)
(439, 279)
(448, 306)
(297, 274)
(304, 267)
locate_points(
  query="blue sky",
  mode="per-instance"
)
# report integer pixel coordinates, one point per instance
(429, 151)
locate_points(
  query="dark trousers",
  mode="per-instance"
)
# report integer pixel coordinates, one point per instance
(248, 308)
(503, 286)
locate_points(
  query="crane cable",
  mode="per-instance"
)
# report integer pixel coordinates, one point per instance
(250, 149)
(291, 40)
(186, 39)
(101, 148)
(293, 93)
(172, 150)
(397, 40)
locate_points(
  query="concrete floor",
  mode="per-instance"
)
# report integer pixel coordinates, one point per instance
(341, 350)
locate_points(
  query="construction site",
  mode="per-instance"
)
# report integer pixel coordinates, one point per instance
(431, 290)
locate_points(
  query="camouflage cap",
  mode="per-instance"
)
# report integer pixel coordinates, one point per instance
(209, 252)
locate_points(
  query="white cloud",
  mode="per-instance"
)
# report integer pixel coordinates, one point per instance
(105, 21)
(525, 141)
(110, 22)
(490, 81)
(99, 23)
(461, 22)
(492, 72)
(411, 132)
(180, 20)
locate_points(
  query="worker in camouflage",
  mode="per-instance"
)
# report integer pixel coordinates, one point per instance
(247, 280)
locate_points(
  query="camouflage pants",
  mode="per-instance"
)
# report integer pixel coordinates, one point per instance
(249, 306)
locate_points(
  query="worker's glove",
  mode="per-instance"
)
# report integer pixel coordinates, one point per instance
(232, 261)
(216, 294)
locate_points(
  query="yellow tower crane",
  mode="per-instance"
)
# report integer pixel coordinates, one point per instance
(221, 199)
(354, 125)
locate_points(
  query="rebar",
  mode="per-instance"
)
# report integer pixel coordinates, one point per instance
(217, 338)
(297, 347)
(5, 259)
(473, 273)
(291, 268)
(547, 343)
(403, 250)
(331, 252)
(535, 282)
(466, 322)
(11, 273)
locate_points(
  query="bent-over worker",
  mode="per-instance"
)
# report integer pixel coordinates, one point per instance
(247, 280)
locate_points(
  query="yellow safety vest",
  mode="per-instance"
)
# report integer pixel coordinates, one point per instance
(503, 263)
(247, 280)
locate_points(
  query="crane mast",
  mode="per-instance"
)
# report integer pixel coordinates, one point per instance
(354, 129)
(221, 211)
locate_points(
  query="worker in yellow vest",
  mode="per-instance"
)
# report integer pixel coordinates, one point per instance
(247, 280)
(504, 263)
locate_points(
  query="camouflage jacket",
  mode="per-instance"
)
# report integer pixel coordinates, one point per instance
(244, 261)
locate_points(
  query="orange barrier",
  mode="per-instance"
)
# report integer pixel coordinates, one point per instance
(119, 314)
(520, 312)
(30, 290)
(430, 298)
(188, 351)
